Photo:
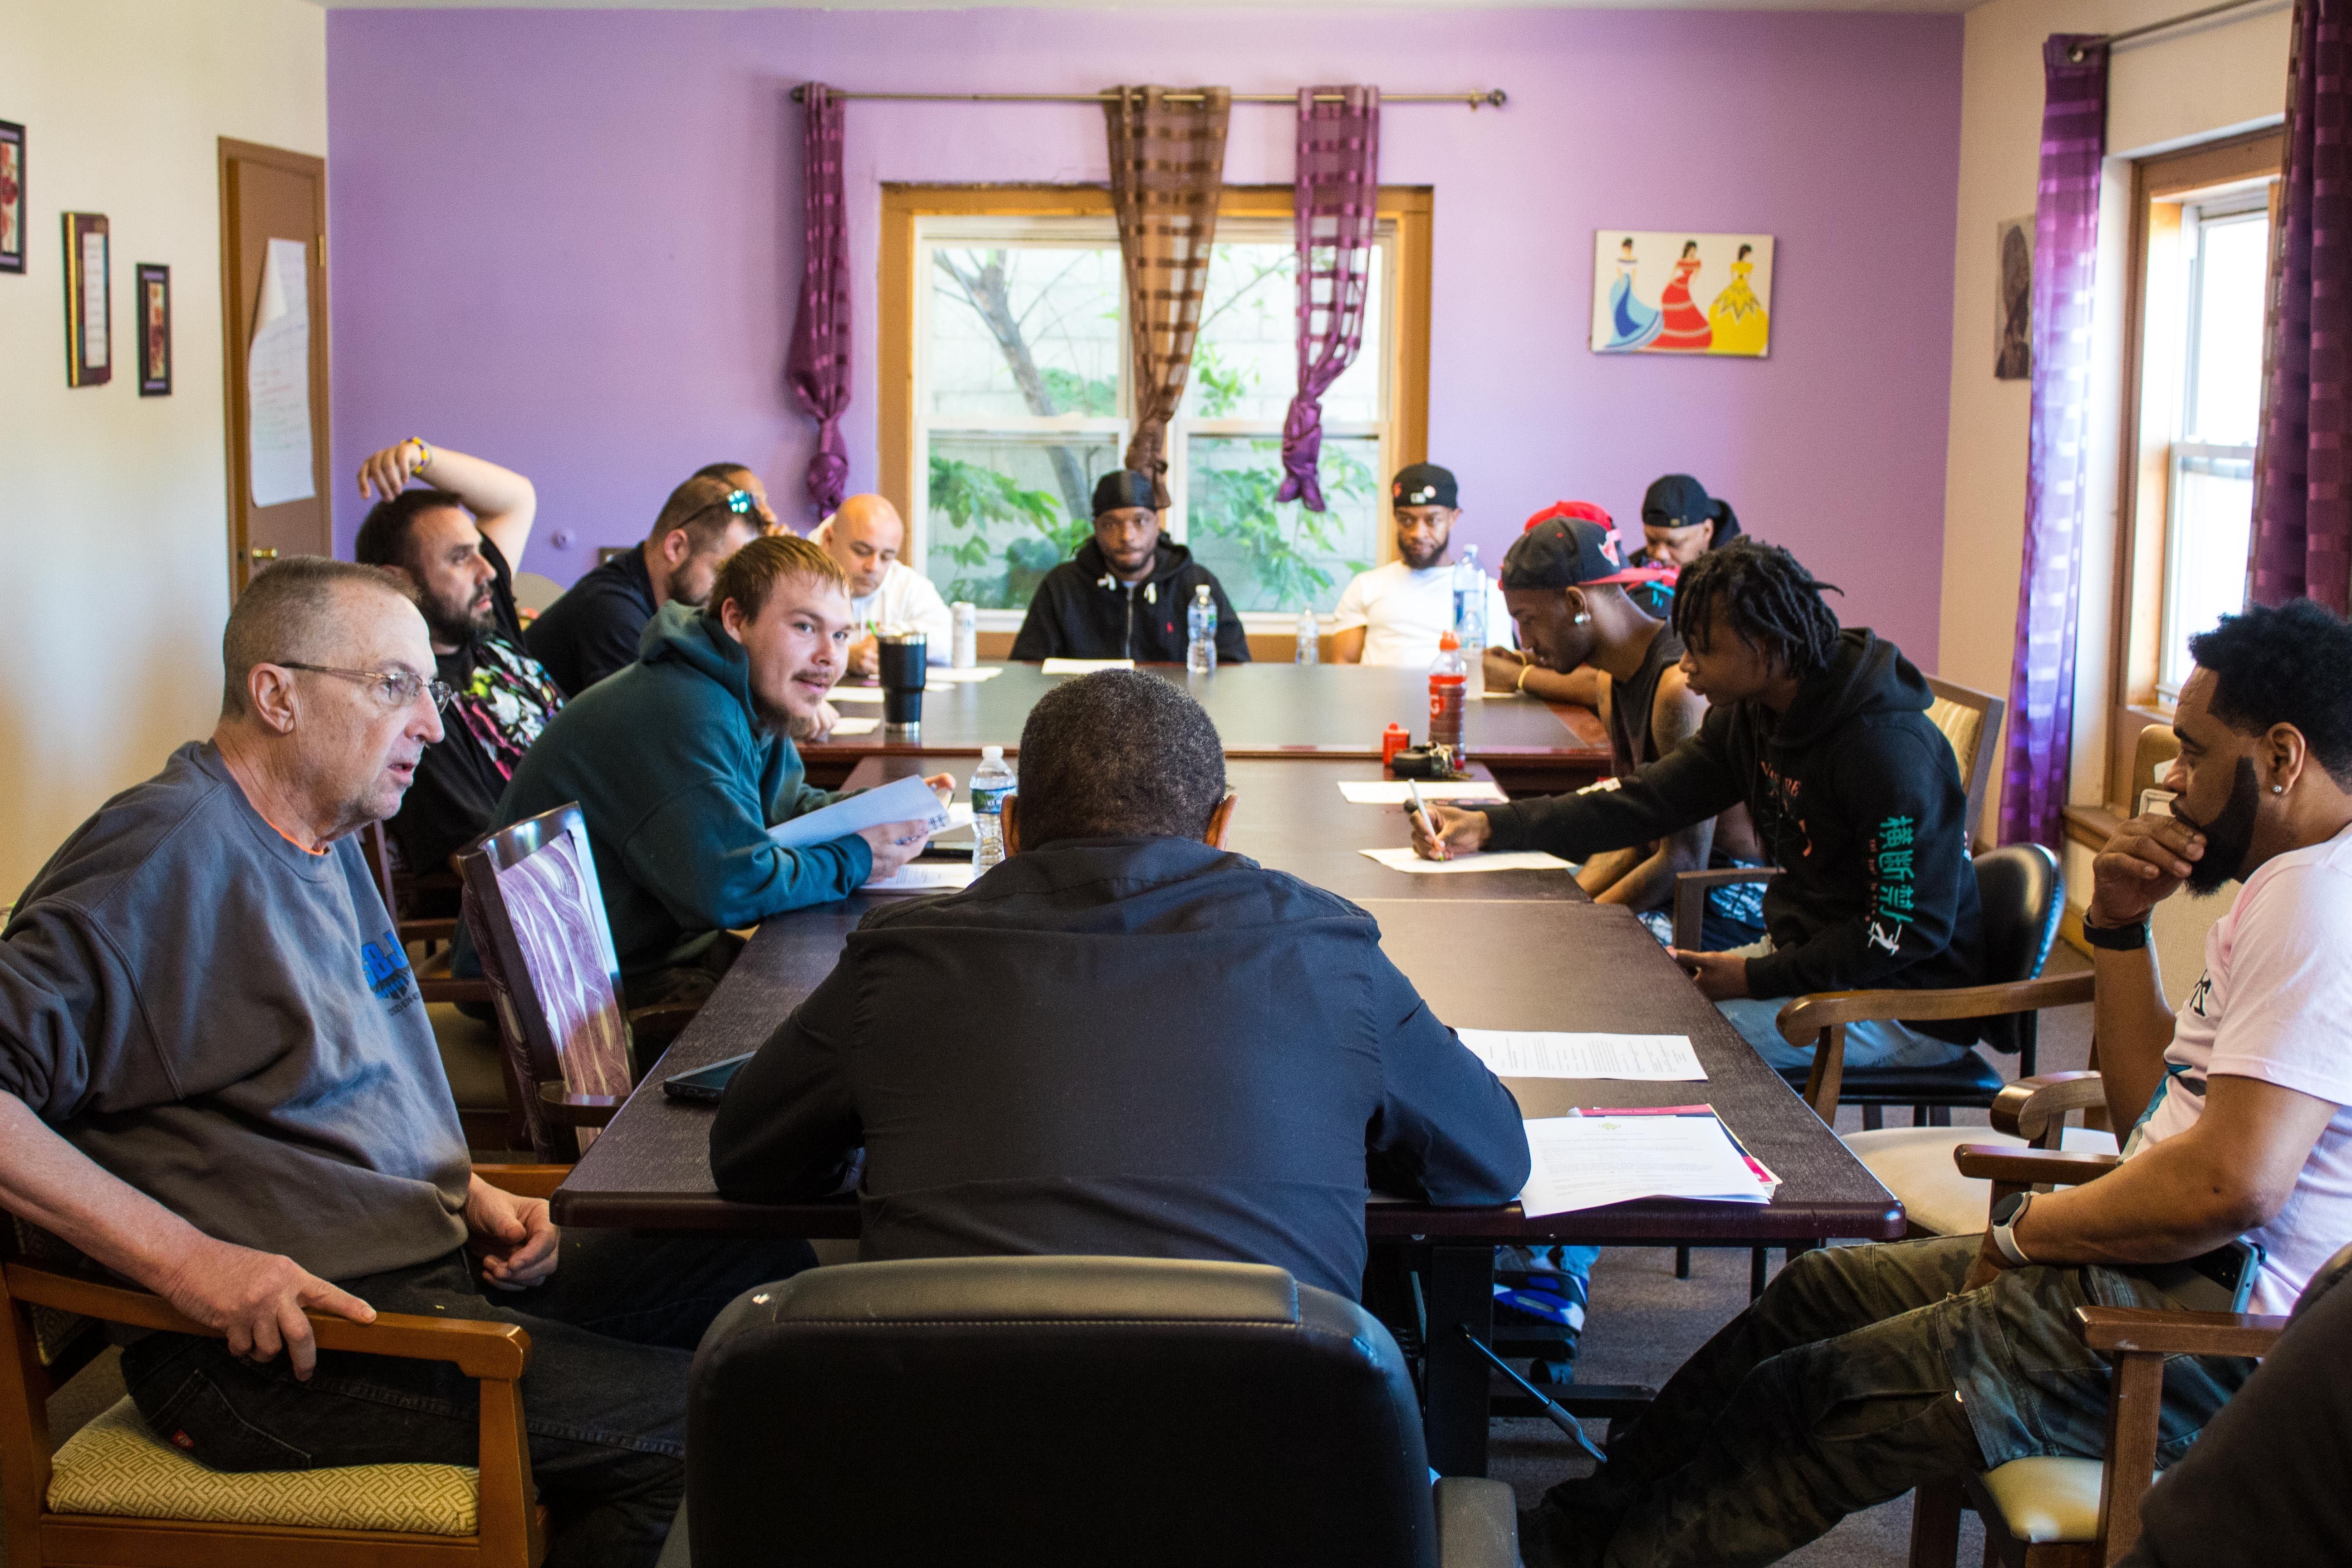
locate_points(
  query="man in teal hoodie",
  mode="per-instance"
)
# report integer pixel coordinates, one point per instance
(680, 763)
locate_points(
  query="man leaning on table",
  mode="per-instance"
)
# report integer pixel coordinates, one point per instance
(1863, 1371)
(864, 537)
(681, 763)
(216, 1080)
(1395, 614)
(973, 1065)
(1823, 734)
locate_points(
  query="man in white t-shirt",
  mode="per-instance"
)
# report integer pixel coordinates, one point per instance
(1395, 614)
(864, 534)
(1865, 1370)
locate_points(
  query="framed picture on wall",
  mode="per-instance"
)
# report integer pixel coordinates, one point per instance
(154, 329)
(12, 196)
(1676, 291)
(90, 325)
(2012, 306)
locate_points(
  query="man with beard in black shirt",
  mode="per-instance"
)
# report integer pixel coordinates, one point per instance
(456, 541)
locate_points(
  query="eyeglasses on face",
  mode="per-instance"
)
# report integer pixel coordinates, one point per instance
(394, 687)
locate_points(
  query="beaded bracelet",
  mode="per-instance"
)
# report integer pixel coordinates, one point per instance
(424, 458)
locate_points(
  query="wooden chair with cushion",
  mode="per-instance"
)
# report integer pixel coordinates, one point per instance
(539, 928)
(2064, 1512)
(116, 1493)
(1970, 721)
(1916, 1163)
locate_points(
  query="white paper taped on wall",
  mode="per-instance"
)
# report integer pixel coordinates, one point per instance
(278, 379)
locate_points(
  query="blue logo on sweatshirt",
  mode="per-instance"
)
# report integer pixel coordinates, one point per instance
(385, 963)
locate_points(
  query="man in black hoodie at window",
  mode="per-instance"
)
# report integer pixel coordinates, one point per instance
(1823, 734)
(1126, 593)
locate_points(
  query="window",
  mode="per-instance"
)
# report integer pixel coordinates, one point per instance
(2197, 287)
(1004, 340)
(2225, 257)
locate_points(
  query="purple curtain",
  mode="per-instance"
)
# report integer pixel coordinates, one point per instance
(817, 369)
(2302, 508)
(2050, 590)
(1339, 191)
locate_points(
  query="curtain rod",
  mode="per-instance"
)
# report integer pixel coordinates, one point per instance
(2075, 54)
(1494, 97)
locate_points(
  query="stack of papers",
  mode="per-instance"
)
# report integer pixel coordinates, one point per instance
(1517, 860)
(1086, 666)
(924, 877)
(1639, 1058)
(1601, 1157)
(900, 800)
(1383, 792)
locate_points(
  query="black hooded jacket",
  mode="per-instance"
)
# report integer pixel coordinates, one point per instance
(1857, 797)
(1082, 611)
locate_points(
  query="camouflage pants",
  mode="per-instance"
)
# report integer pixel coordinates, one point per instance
(1858, 1374)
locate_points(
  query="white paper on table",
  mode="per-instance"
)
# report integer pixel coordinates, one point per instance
(1637, 1059)
(855, 727)
(901, 800)
(1381, 791)
(924, 877)
(278, 379)
(854, 694)
(1585, 1161)
(952, 675)
(97, 331)
(1404, 860)
(1086, 666)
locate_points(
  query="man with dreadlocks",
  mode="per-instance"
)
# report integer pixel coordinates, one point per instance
(1823, 734)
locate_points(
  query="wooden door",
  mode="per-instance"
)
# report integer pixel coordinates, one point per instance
(269, 193)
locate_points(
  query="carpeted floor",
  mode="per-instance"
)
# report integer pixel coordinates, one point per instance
(1644, 1323)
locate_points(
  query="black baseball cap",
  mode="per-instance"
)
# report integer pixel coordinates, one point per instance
(1678, 500)
(1124, 488)
(1423, 484)
(1571, 552)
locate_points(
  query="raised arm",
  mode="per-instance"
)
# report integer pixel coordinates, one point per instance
(503, 502)
(2144, 863)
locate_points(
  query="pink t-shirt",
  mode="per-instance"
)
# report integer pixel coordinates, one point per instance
(2275, 1004)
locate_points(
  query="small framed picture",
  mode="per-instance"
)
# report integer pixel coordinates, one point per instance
(90, 315)
(154, 329)
(12, 196)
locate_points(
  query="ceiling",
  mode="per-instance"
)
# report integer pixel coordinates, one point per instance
(1917, 7)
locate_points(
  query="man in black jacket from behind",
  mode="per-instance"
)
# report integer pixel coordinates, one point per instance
(1855, 793)
(1127, 591)
(984, 1051)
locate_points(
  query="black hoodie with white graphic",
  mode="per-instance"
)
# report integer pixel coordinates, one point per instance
(1857, 797)
(1083, 611)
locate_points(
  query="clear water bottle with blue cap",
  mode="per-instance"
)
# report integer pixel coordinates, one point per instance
(990, 786)
(1201, 651)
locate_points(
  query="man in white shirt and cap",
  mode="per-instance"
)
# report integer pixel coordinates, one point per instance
(1395, 614)
(864, 534)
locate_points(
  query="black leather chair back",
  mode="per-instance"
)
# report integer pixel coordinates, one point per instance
(2022, 895)
(2331, 1274)
(1049, 1411)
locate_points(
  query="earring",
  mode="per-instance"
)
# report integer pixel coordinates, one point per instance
(1581, 619)
(2278, 789)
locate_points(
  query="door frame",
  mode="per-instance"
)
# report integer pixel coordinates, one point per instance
(236, 346)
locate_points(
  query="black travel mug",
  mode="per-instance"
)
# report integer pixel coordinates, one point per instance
(905, 664)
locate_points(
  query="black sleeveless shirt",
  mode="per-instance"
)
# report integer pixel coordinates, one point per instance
(1631, 702)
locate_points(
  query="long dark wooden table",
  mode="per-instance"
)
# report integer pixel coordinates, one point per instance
(1261, 710)
(1521, 950)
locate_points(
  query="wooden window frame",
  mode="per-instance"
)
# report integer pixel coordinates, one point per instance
(1410, 208)
(2161, 185)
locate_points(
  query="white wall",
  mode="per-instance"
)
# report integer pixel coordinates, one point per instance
(114, 511)
(2189, 84)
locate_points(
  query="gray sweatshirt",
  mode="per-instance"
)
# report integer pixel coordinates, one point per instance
(227, 1022)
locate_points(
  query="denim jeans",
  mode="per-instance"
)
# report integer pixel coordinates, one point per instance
(612, 1333)
(1876, 1043)
(1856, 1375)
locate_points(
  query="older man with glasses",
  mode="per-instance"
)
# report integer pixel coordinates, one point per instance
(216, 1080)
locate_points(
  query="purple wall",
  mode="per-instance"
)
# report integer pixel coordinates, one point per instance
(568, 241)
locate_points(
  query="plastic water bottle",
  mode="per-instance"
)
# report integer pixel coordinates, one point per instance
(1448, 678)
(1309, 637)
(1470, 608)
(990, 786)
(1201, 652)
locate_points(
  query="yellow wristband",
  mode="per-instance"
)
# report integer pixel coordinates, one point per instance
(1521, 683)
(423, 456)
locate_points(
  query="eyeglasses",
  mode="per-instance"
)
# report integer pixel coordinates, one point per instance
(394, 688)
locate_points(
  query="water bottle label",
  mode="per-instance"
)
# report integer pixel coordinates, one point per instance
(987, 801)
